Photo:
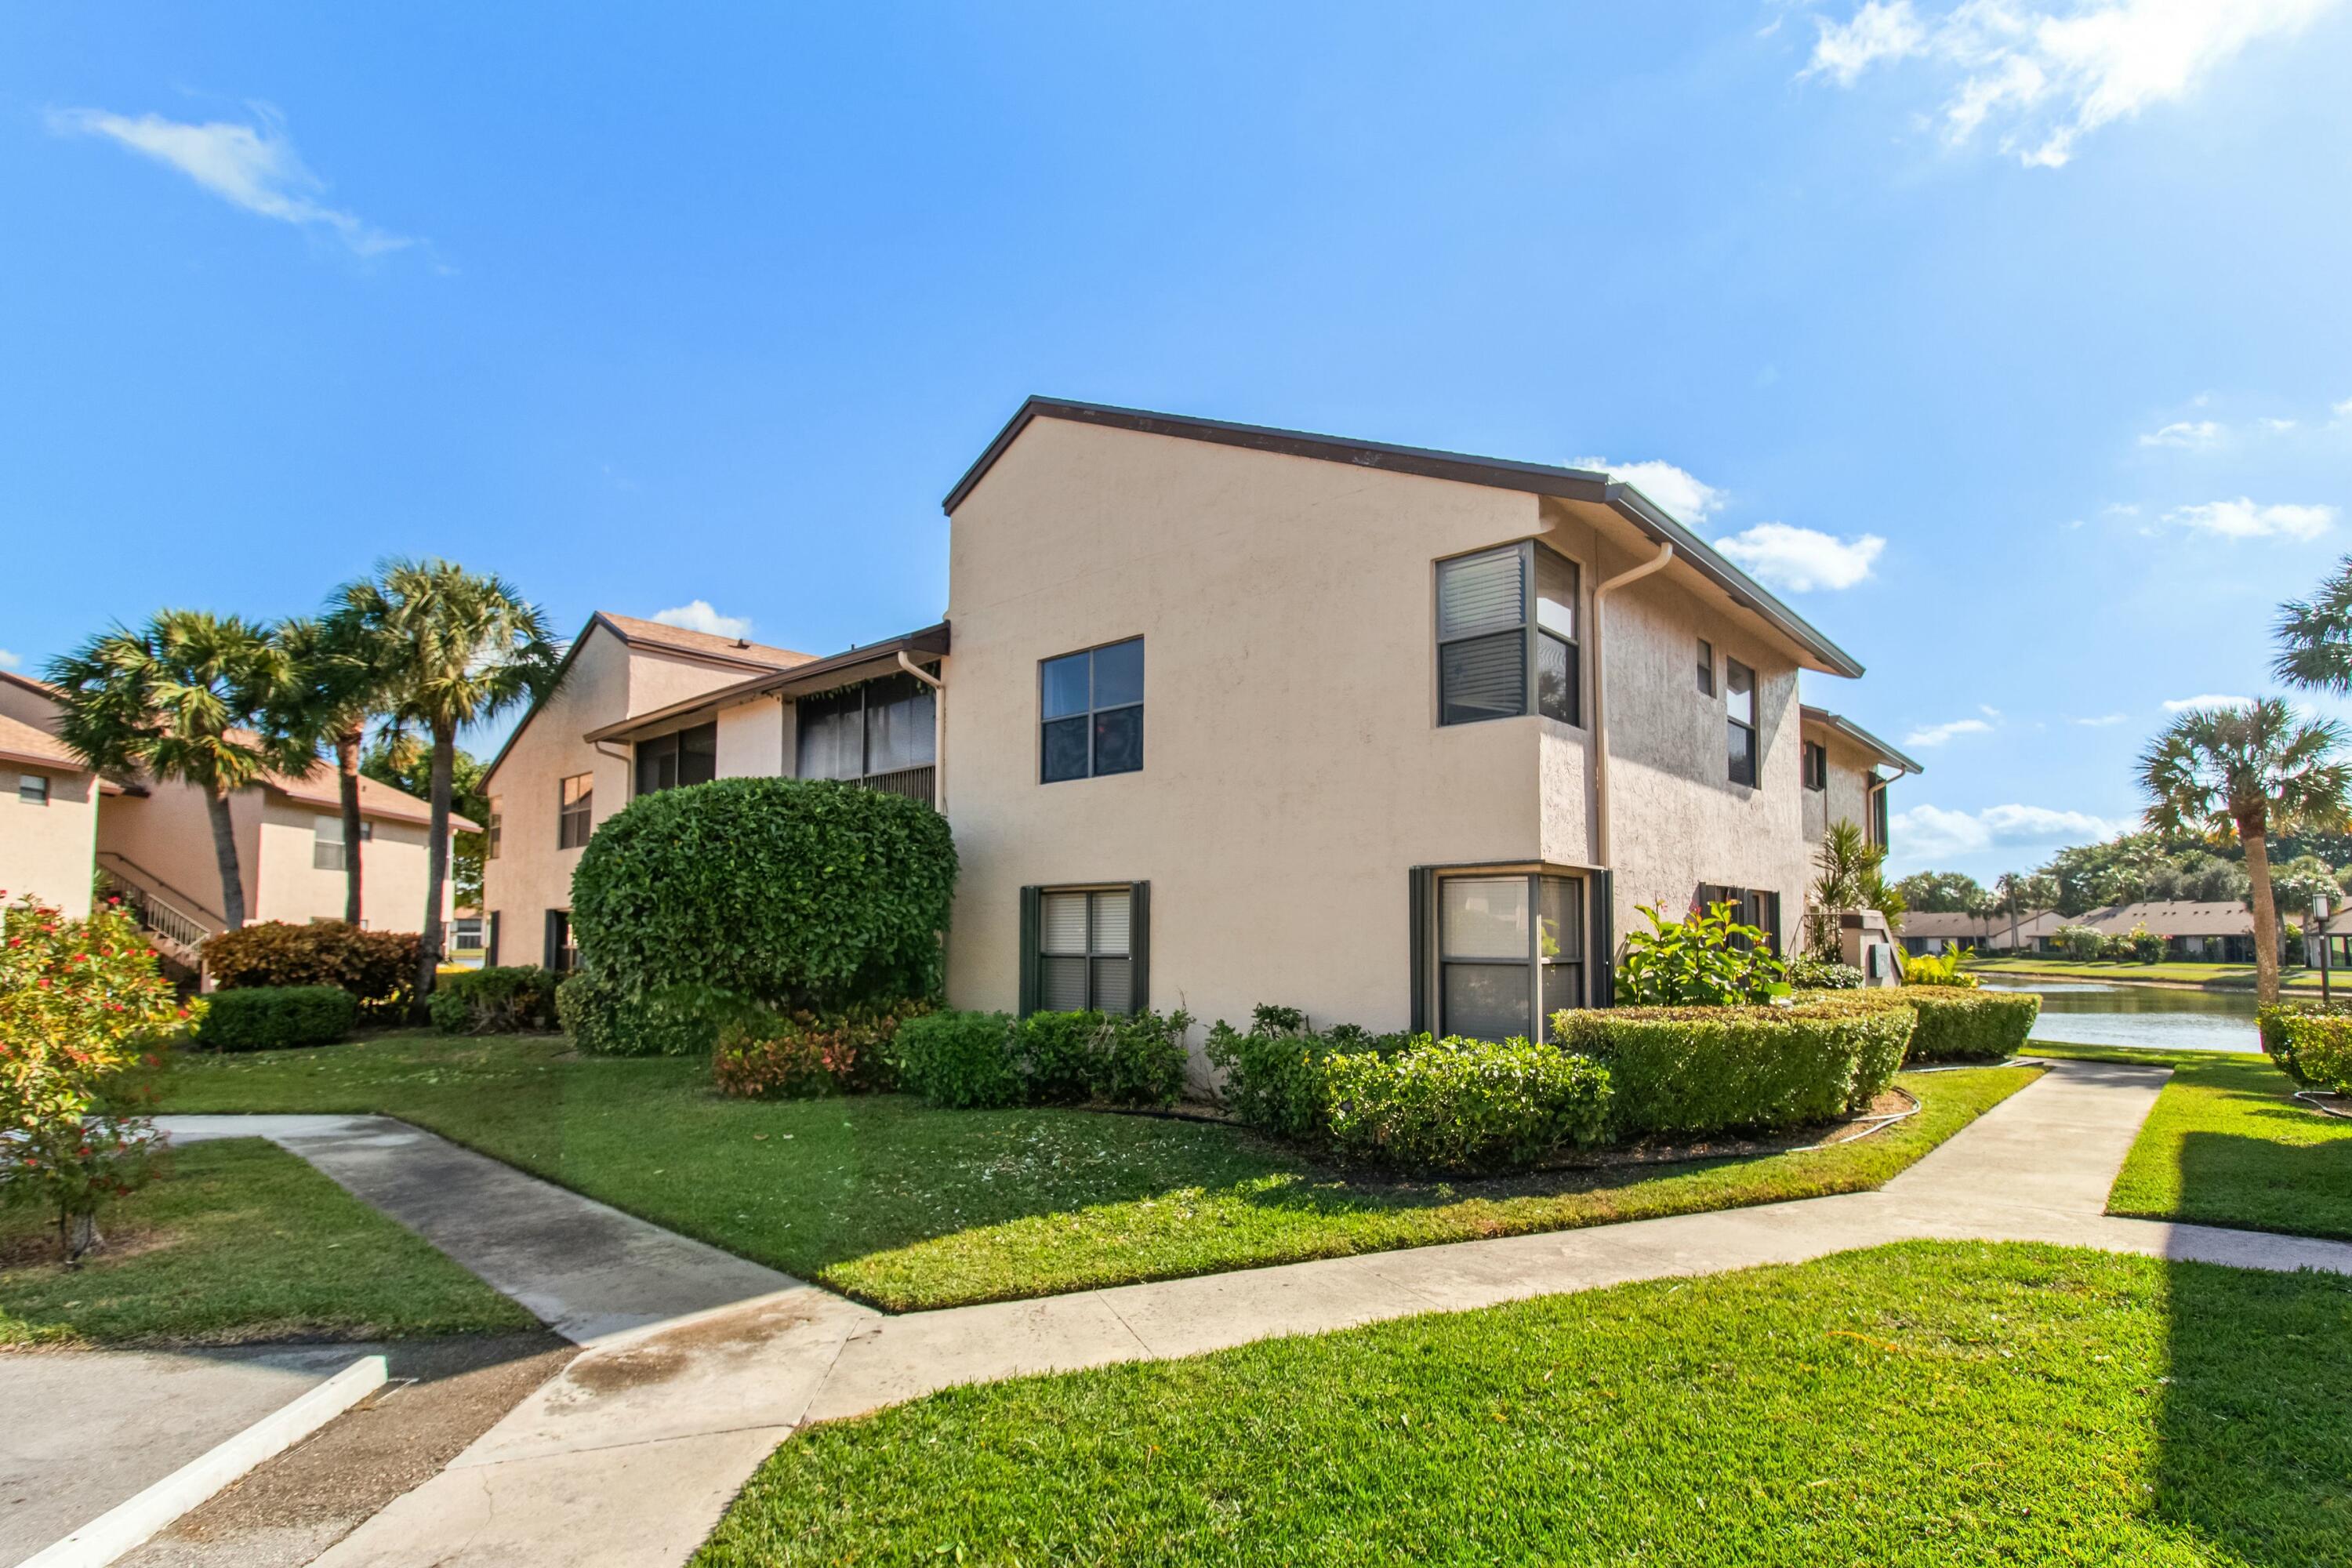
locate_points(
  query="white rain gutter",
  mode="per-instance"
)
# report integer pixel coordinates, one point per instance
(1600, 849)
(939, 730)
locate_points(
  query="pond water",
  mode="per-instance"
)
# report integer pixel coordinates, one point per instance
(2153, 1017)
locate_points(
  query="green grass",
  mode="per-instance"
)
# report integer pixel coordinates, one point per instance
(911, 1208)
(238, 1241)
(2132, 1056)
(2217, 977)
(1926, 1404)
(2228, 1145)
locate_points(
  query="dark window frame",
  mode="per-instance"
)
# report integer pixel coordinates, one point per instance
(1542, 999)
(562, 949)
(329, 854)
(490, 834)
(1705, 668)
(1741, 741)
(919, 694)
(34, 789)
(1817, 766)
(672, 749)
(1757, 907)
(1533, 633)
(1092, 714)
(1138, 956)
(575, 818)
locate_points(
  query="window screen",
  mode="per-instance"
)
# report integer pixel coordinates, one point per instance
(1740, 712)
(671, 761)
(1086, 953)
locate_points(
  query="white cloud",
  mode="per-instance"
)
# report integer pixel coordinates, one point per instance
(2182, 433)
(2278, 424)
(10, 661)
(2341, 410)
(1927, 833)
(1936, 734)
(2103, 721)
(251, 167)
(2048, 73)
(1802, 559)
(697, 615)
(1881, 30)
(2183, 704)
(1683, 495)
(2241, 519)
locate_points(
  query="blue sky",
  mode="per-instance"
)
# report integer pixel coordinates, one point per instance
(2011, 339)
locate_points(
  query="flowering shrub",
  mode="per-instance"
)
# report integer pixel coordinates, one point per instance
(804, 1057)
(2083, 943)
(2146, 946)
(1807, 973)
(1464, 1105)
(79, 1001)
(1707, 961)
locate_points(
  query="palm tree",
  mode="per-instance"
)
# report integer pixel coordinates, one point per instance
(181, 700)
(2315, 636)
(2250, 772)
(461, 649)
(337, 685)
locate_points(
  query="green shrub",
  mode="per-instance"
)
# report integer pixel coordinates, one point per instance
(1463, 1105)
(2316, 1048)
(2081, 943)
(2283, 1038)
(789, 893)
(273, 1017)
(1057, 1056)
(1693, 1070)
(1953, 1025)
(1273, 1077)
(375, 966)
(804, 1057)
(960, 1059)
(1144, 1059)
(1939, 969)
(2146, 946)
(502, 1000)
(1807, 973)
(605, 1020)
(1707, 961)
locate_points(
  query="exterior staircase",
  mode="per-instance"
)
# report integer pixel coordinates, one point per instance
(176, 925)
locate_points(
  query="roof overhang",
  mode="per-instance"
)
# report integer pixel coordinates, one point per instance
(1860, 737)
(1534, 479)
(844, 668)
(47, 764)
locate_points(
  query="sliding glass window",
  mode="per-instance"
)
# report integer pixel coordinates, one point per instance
(1510, 952)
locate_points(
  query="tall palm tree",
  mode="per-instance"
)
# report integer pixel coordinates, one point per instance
(2315, 636)
(462, 647)
(2249, 771)
(337, 684)
(181, 701)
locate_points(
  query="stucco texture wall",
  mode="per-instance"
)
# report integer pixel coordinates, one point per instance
(46, 849)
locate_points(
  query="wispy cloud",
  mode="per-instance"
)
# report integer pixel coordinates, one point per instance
(10, 661)
(2242, 518)
(251, 167)
(2045, 74)
(2183, 433)
(1681, 492)
(1936, 734)
(2103, 721)
(698, 615)
(1927, 833)
(2277, 426)
(1802, 559)
(2208, 700)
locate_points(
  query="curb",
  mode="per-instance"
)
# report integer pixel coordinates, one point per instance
(128, 1524)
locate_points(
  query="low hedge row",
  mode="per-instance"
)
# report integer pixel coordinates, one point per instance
(274, 1017)
(2311, 1042)
(604, 1020)
(1697, 1070)
(805, 1056)
(972, 1060)
(500, 1000)
(375, 966)
(1955, 1025)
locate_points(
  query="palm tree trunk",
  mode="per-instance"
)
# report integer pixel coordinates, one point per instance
(2266, 947)
(436, 870)
(347, 765)
(224, 856)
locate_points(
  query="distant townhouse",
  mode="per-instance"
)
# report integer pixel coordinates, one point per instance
(1224, 715)
(2217, 931)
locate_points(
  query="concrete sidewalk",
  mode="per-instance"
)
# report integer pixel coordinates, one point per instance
(629, 1456)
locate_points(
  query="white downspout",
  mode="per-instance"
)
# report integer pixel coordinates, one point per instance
(939, 730)
(1601, 846)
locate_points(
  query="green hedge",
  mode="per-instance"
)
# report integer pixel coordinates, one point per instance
(273, 1017)
(502, 1000)
(2311, 1042)
(1275, 1077)
(375, 966)
(1464, 1105)
(969, 1060)
(789, 893)
(604, 1020)
(1955, 1025)
(1696, 1070)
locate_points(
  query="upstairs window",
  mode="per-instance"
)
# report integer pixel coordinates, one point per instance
(1506, 636)
(673, 762)
(327, 842)
(1705, 668)
(1740, 712)
(490, 837)
(1817, 766)
(1091, 705)
(575, 810)
(862, 731)
(32, 789)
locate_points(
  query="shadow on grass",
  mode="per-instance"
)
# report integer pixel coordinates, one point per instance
(2254, 1448)
(2290, 1174)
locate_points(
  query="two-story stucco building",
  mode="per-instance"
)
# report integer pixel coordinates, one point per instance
(1224, 715)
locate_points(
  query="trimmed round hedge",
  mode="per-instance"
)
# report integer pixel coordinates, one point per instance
(1957, 1024)
(1693, 1070)
(795, 893)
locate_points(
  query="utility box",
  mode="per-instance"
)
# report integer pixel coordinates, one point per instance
(1867, 942)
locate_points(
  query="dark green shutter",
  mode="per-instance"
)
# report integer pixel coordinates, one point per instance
(490, 945)
(1772, 920)
(549, 944)
(1601, 951)
(1030, 918)
(1139, 942)
(1419, 888)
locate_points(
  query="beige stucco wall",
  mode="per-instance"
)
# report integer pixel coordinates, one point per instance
(1293, 770)
(45, 850)
(1848, 796)
(166, 836)
(392, 871)
(751, 739)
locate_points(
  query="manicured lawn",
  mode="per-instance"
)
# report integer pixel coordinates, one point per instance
(2132, 1056)
(2226, 1145)
(238, 1241)
(910, 1208)
(2225, 976)
(1926, 1403)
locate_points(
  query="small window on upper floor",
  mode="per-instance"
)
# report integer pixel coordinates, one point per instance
(1817, 765)
(33, 789)
(327, 842)
(1705, 668)
(1740, 712)
(1506, 631)
(575, 811)
(1091, 713)
(490, 837)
